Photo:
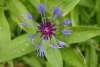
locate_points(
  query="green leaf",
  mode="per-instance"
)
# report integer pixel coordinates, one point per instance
(65, 5)
(72, 57)
(98, 12)
(2, 2)
(80, 34)
(19, 14)
(31, 6)
(17, 48)
(12, 25)
(48, 65)
(4, 29)
(35, 3)
(54, 57)
(90, 54)
(4, 33)
(32, 61)
(87, 3)
(75, 16)
(67, 65)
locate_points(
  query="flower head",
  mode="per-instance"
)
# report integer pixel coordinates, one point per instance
(47, 29)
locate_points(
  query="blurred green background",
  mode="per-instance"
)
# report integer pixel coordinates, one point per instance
(82, 50)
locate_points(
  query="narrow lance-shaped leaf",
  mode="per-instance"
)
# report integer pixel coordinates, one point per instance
(54, 57)
(4, 34)
(98, 11)
(64, 5)
(75, 16)
(32, 61)
(80, 34)
(48, 65)
(18, 47)
(87, 3)
(35, 3)
(72, 57)
(90, 54)
(21, 15)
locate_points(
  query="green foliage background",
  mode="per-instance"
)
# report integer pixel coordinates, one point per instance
(84, 42)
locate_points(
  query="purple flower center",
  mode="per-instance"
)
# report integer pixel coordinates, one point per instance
(47, 29)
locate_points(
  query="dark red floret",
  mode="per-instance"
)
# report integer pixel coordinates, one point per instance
(47, 29)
